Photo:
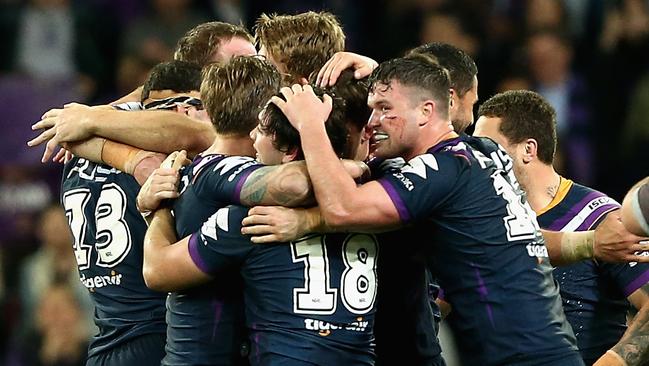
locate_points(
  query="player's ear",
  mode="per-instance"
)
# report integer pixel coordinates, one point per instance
(290, 155)
(530, 150)
(427, 110)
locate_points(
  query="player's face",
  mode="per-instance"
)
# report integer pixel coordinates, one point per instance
(462, 109)
(235, 46)
(267, 154)
(394, 120)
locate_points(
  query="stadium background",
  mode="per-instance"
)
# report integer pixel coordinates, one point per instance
(590, 58)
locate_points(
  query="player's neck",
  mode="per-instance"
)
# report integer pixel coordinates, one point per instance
(541, 184)
(232, 145)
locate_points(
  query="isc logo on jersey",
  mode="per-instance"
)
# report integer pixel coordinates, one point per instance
(600, 201)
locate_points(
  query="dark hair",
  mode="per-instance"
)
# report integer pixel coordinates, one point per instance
(199, 44)
(234, 93)
(461, 67)
(525, 114)
(418, 71)
(354, 94)
(178, 76)
(286, 137)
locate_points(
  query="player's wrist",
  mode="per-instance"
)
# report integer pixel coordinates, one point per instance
(577, 246)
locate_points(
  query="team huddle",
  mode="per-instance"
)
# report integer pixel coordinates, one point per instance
(334, 211)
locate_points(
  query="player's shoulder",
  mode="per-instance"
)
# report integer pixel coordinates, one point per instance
(226, 166)
(581, 192)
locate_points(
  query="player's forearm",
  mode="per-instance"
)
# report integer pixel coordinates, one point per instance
(333, 187)
(89, 149)
(160, 131)
(633, 348)
(279, 185)
(159, 235)
(287, 185)
(565, 248)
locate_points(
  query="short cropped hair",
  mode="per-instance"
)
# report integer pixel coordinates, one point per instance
(286, 137)
(199, 44)
(302, 42)
(416, 71)
(179, 76)
(461, 67)
(234, 93)
(525, 114)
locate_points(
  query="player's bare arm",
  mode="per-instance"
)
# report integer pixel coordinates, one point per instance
(167, 265)
(128, 159)
(633, 348)
(161, 131)
(287, 184)
(342, 203)
(609, 242)
(634, 210)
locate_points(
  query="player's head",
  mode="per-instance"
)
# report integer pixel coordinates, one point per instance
(464, 80)
(214, 42)
(354, 94)
(173, 85)
(277, 141)
(409, 98)
(524, 123)
(235, 92)
(299, 44)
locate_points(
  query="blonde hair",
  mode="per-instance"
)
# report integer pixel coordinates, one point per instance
(234, 93)
(303, 43)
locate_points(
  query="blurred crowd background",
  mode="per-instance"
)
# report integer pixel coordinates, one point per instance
(589, 58)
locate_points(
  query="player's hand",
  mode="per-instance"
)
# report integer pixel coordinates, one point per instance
(270, 224)
(62, 156)
(302, 107)
(162, 183)
(329, 73)
(610, 359)
(614, 244)
(72, 123)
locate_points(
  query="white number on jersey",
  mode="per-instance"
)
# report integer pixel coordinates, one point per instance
(520, 223)
(358, 281)
(113, 237)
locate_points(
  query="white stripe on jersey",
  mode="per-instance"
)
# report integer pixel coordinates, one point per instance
(587, 211)
(129, 106)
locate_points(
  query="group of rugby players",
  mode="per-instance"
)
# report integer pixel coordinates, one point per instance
(309, 228)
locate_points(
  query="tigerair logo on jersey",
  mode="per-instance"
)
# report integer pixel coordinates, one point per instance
(325, 328)
(94, 282)
(537, 250)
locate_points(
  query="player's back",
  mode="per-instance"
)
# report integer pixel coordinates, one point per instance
(594, 294)
(487, 253)
(108, 234)
(206, 323)
(307, 302)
